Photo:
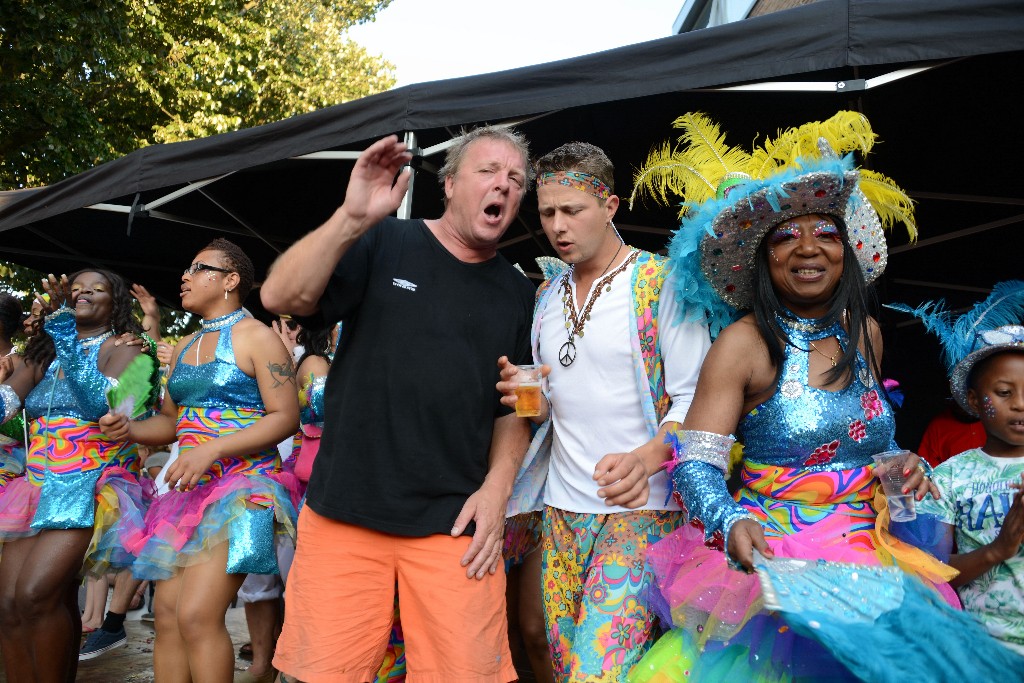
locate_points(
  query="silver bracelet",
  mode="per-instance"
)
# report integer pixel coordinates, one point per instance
(705, 447)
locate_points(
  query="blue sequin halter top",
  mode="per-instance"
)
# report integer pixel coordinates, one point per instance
(219, 383)
(805, 427)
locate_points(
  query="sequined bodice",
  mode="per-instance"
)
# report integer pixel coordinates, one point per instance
(816, 429)
(311, 401)
(216, 384)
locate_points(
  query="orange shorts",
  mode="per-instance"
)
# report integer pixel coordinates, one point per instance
(340, 601)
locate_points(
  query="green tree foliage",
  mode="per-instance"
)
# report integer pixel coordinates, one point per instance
(86, 81)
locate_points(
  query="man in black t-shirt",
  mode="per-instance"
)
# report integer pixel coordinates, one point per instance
(418, 455)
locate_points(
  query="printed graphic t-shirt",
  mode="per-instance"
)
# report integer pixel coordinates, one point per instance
(976, 495)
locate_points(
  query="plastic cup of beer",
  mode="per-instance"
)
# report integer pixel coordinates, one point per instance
(889, 467)
(528, 395)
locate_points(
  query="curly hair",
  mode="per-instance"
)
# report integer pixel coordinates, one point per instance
(39, 350)
(315, 342)
(122, 313)
(579, 156)
(122, 319)
(237, 260)
(10, 315)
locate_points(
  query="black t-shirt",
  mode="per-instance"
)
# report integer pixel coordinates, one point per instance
(410, 401)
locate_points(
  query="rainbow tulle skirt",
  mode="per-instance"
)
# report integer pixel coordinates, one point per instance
(720, 629)
(245, 510)
(76, 479)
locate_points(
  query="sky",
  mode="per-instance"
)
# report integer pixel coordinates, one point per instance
(430, 40)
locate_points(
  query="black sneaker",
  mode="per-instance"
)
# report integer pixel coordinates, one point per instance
(100, 641)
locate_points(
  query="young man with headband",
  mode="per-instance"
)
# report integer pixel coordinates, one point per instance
(623, 368)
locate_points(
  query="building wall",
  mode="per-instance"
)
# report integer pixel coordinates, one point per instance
(769, 6)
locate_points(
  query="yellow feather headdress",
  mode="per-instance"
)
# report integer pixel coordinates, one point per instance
(730, 198)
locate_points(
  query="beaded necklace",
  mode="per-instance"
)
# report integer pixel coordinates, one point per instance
(573, 322)
(89, 342)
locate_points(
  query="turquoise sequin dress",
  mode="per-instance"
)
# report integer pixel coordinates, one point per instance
(244, 500)
(75, 477)
(808, 480)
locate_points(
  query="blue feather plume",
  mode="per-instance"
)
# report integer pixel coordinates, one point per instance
(1004, 306)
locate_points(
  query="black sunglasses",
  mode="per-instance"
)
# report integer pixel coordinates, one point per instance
(196, 267)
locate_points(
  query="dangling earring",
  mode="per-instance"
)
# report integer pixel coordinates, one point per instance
(226, 294)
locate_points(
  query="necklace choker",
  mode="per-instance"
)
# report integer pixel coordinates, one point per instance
(573, 322)
(222, 321)
(89, 342)
(810, 325)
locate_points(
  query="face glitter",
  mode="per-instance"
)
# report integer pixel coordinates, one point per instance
(989, 409)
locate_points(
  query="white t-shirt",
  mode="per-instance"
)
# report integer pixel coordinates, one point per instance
(976, 496)
(595, 402)
(162, 486)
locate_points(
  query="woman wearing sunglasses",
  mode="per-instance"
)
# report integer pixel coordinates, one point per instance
(231, 398)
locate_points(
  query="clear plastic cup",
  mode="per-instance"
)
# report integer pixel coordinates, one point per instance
(889, 468)
(528, 396)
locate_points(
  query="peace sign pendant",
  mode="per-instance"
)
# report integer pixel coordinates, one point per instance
(567, 354)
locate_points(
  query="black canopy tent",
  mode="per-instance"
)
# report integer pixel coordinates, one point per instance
(935, 77)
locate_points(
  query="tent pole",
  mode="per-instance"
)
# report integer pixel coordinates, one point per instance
(405, 208)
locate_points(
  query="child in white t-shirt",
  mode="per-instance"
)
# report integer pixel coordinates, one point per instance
(983, 488)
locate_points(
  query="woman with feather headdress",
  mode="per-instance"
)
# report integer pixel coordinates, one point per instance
(776, 250)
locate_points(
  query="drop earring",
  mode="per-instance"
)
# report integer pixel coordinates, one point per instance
(226, 294)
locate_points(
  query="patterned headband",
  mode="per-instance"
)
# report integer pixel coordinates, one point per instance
(584, 182)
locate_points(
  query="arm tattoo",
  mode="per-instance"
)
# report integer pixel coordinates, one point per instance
(281, 373)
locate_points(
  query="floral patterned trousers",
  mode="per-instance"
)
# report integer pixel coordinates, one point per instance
(595, 577)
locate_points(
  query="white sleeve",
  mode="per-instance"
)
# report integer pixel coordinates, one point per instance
(683, 347)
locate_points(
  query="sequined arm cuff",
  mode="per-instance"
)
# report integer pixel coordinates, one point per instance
(10, 404)
(705, 496)
(60, 325)
(86, 382)
(689, 445)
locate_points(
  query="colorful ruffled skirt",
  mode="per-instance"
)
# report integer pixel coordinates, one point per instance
(244, 501)
(720, 629)
(75, 479)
